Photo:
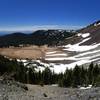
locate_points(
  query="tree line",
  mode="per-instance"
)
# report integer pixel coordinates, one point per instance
(40, 37)
(79, 76)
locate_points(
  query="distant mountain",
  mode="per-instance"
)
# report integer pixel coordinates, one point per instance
(4, 33)
(40, 37)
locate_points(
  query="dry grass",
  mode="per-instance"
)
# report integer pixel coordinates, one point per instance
(31, 52)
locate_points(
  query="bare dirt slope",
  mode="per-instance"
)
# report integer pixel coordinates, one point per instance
(31, 52)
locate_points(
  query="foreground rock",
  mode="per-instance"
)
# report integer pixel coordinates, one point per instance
(57, 93)
(11, 90)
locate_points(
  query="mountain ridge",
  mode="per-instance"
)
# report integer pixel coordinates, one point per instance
(40, 37)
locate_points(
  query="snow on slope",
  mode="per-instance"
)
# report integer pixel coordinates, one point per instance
(70, 54)
(84, 54)
(96, 24)
(78, 48)
(83, 35)
(61, 54)
(57, 67)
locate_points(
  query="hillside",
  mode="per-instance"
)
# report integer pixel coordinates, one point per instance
(66, 49)
(15, 91)
(82, 48)
(70, 85)
(40, 37)
(94, 30)
(49, 63)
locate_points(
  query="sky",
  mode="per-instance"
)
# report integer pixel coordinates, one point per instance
(39, 14)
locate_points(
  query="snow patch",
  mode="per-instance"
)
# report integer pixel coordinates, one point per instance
(60, 58)
(58, 67)
(96, 24)
(85, 35)
(78, 48)
(79, 34)
(51, 52)
(55, 85)
(62, 54)
(87, 53)
(83, 88)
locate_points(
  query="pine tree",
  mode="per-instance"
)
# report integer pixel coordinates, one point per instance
(83, 74)
(67, 79)
(90, 73)
(30, 76)
(47, 76)
(76, 76)
(95, 73)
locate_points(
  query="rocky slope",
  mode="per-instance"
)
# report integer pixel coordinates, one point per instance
(11, 90)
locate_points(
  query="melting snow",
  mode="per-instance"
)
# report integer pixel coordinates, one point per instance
(60, 67)
(78, 48)
(83, 88)
(51, 52)
(62, 54)
(96, 24)
(88, 56)
(79, 34)
(87, 53)
(60, 58)
(84, 35)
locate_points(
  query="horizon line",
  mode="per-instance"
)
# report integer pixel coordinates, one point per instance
(40, 27)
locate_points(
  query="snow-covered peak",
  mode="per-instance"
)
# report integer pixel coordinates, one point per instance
(97, 23)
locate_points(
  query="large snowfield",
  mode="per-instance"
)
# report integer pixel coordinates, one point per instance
(84, 54)
(68, 56)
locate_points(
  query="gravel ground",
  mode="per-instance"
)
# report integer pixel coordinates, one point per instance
(11, 90)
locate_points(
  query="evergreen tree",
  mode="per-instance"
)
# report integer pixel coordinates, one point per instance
(90, 73)
(97, 82)
(76, 76)
(67, 79)
(83, 76)
(47, 76)
(95, 73)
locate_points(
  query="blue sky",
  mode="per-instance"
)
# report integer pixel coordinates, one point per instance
(29, 14)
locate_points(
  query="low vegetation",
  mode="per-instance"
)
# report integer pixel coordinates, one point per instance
(79, 76)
